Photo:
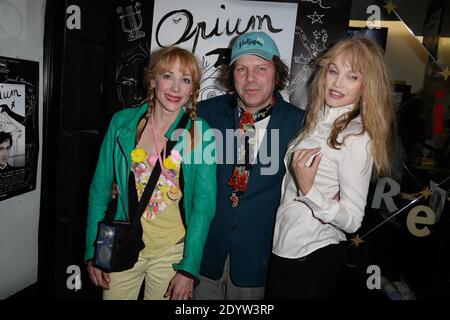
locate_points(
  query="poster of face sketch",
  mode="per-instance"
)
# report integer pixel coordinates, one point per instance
(19, 136)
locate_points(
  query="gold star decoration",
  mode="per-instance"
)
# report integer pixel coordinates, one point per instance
(445, 73)
(426, 193)
(390, 7)
(357, 240)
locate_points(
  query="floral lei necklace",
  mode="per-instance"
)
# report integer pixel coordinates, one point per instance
(167, 188)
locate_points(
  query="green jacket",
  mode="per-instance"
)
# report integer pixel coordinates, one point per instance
(199, 172)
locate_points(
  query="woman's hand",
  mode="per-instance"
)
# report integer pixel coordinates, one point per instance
(180, 288)
(98, 277)
(305, 175)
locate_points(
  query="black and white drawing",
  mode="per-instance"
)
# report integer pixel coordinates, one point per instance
(129, 74)
(12, 115)
(301, 30)
(19, 145)
(316, 17)
(311, 48)
(131, 21)
(319, 24)
(207, 27)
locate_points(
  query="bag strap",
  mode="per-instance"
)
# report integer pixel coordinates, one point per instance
(156, 172)
(111, 210)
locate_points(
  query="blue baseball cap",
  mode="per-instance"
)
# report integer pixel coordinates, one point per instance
(255, 43)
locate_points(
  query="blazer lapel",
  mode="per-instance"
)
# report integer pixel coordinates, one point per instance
(126, 137)
(231, 112)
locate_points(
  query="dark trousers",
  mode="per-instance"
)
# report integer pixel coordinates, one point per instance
(307, 278)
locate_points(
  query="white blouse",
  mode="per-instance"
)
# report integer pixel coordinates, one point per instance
(307, 222)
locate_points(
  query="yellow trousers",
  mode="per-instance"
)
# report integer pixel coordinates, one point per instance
(157, 272)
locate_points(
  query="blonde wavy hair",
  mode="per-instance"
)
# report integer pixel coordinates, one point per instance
(160, 63)
(375, 104)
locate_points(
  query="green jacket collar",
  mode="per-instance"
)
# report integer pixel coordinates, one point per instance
(132, 121)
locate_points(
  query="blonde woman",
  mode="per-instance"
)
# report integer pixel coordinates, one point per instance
(329, 167)
(175, 222)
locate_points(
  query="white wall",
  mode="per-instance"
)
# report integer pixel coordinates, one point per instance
(21, 36)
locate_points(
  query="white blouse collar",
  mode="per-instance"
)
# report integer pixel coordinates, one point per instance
(332, 113)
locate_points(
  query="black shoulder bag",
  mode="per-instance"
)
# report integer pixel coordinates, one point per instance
(118, 243)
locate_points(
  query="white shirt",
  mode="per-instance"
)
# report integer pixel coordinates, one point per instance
(260, 132)
(305, 223)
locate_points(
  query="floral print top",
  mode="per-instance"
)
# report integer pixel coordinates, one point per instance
(167, 189)
(161, 221)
